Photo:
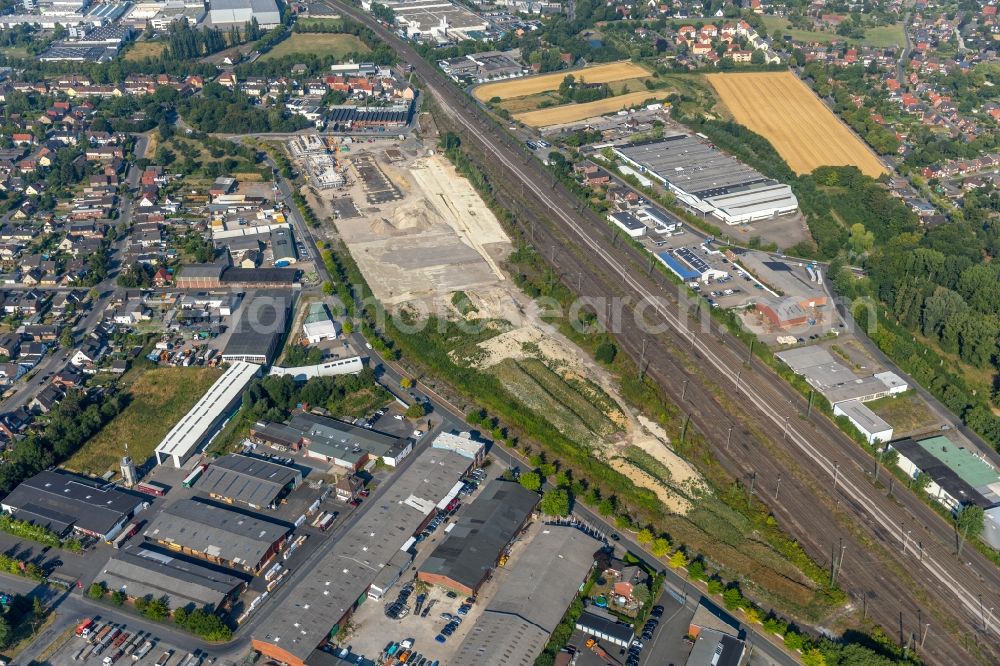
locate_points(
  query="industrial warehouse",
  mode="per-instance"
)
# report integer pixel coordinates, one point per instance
(239, 479)
(317, 609)
(62, 502)
(143, 572)
(709, 181)
(342, 444)
(223, 536)
(480, 537)
(531, 599)
(192, 431)
(260, 329)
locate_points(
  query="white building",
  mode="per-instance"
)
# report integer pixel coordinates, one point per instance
(211, 410)
(871, 425)
(239, 12)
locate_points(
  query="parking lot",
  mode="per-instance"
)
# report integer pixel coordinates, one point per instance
(344, 208)
(433, 618)
(108, 642)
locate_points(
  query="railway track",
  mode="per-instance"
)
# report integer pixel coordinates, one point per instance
(898, 559)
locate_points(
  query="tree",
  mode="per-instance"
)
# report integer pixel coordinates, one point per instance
(555, 502)
(921, 481)
(606, 352)
(405, 382)
(660, 547)
(95, 591)
(117, 597)
(678, 559)
(641, 594)
(416, 410)
(531, 480)
(696, 570)
(5, 632)
(645, 536)
(66, 338)
(732, 598)
(861, 240)
(969, 523)
(348, 327)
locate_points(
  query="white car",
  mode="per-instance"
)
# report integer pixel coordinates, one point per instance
(398, 417)
(418, 433)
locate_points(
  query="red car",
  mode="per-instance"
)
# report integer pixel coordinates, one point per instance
(355, 502)
(364, 492)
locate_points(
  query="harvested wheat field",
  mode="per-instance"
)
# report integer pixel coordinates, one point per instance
(568, 113)
(783, 109)
(532, 85)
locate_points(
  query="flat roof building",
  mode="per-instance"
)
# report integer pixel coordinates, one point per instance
(194, 429)
(871, 425)
(708, 180)
(225, 13)
(836, 381)
(348, 445)
(185, 583)
(531, 599)
(61, 502)
(315, 611)
(224, 536)
(952, 473)
(239, 479)
(261, 328)
(469, 553)
(318, 324)
(714, 648)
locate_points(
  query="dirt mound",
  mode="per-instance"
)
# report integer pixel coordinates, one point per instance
(414, 215)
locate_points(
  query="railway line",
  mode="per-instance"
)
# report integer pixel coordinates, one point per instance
(897, 553)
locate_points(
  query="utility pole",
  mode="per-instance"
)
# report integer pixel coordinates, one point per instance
(739, 373)
(982, 611)
(684, 429)
(777, 488)
(836, 475)
(809, 409)
(923, 637)
(729, 437)
(878, 463)
(753, 481)
(750, 353)
(684, 389)
(784, 434)
(642, 360)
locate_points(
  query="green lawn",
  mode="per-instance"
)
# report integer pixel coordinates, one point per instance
(906, 413)
(321, 44)
(160, 397)
(880, 37)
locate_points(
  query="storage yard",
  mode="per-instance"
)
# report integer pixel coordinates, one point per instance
(422, 232)
(568, 113)
(532, 85)
(781, 108)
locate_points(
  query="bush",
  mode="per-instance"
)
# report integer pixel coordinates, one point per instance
(606, 353)
(95, 591)
(416, 410)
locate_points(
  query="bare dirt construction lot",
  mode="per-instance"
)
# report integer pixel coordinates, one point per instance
(784, 110)
(568, 113)
(532, 85)
(433, 236)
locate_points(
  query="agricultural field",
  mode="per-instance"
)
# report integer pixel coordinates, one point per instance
(785, 111)
(568, 113)
(159, 398)
(532, 85)
(320, 44)
(878, 37)
(145, 49)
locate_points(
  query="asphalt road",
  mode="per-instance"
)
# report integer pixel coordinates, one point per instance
(905, 578)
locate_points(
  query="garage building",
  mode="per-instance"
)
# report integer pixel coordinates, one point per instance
(64, 502)
(239, 479)
(185, 583)
(234, 539)
(470, 552)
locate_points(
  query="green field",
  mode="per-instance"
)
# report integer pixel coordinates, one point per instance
(318, 43)
(160, 397)
(144, 49)
(906, 413)
(879, 37)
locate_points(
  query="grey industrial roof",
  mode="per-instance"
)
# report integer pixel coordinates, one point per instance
(803, 357)
(269, 276)
(282, 246)
(202, 270)
(338, 437)
(530, 600)
(483, 530)
(942, 475)
(336, 581)
(60, 500)
(864, 417)
(713, 648)
(142, 572)
(693, 165)
(247, 479)
(216, 531)
(261, 326)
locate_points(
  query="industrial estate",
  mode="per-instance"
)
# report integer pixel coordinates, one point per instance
(514, 332)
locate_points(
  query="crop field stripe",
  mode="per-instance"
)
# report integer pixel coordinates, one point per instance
(568, 113)
(561, 391)
(802, 129)
(531, 85)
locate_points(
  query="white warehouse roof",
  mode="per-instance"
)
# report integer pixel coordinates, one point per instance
(239, 12)
(185, 437)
